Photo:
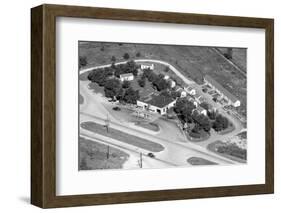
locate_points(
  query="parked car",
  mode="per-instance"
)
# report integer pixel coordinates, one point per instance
(151, 155)
(205, 90)
(116, 108)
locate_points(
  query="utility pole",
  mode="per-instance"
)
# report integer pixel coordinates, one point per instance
(107, 121)
(107, 153)
(140, 161)
(229, 53)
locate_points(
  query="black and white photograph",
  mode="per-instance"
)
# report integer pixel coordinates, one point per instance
(159, 106)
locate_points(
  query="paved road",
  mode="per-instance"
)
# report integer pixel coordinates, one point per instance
(177, 72)
(174, 152)
(134, 159)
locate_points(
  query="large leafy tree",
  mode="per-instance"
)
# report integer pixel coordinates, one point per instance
(112, 88)
(131, 96)
(82, 61)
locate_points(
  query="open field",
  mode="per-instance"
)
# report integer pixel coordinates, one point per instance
(239, 56)
(122, 136)
(194, 62)
(236, 155)
(93, 155)
(196, 161)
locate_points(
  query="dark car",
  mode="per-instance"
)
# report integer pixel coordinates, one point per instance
(116, 108)
(151, 155)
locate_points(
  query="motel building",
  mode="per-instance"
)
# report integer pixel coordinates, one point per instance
(156, 103)
(126, 77)
(231, 99)
(147, 66)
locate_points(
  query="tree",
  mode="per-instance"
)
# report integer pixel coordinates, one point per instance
(184, 109)
(166, 69)
(126, 56)
(160, 83)
(138, 54)
(202, 121)
(131, 96)
(126, 84)
(142, 82)
(100, 76)
(82, 61)
(112, 88)
(212, 114)
(220, 123)
(113, 58)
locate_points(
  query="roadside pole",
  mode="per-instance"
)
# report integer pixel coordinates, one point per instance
(140, 159)
(107, 153)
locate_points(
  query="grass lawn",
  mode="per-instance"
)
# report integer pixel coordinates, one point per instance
(196, 161)
(93, 155)
(238, 57)
(123, 137)
(143, 91)
(229, 153)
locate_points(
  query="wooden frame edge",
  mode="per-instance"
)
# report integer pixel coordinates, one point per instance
(43, 104)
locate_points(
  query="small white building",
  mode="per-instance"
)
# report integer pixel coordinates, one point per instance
(126, 77)
(166, 77)
(147, 66)
(182, 93)
(156, 103)
(171, 83)
(190, 99)
(190, 90)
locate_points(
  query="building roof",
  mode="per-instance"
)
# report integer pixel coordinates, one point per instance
(221, 88)
(126, 75)
(159, 101)
(200, 109)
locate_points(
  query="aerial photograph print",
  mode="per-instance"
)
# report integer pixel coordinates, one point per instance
(144, 106)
